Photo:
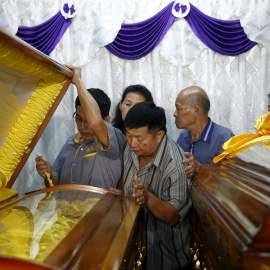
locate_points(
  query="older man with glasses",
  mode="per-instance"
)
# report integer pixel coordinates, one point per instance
(94, 155)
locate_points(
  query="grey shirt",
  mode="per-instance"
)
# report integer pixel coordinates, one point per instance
(88, 163)
(164, 176)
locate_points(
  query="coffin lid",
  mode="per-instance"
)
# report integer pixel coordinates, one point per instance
(31, 87)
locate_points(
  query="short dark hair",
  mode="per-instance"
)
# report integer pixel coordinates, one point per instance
(146, 114)
(117, 120)
(269, 94)
(102, 100)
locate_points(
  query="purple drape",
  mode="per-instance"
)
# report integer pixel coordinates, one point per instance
(45, 36)
(224, 37)
(134, 41)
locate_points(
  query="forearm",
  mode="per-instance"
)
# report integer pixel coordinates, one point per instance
(120, 184)
(162, 210)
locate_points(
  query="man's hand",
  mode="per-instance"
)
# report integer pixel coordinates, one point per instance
(193, 164)
(116, 191)
(43, 166)
(76, 74)
(141, 194)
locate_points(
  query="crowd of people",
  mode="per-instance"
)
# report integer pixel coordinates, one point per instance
(135, 155)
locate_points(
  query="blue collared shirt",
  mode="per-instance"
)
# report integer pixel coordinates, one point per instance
(208, 144)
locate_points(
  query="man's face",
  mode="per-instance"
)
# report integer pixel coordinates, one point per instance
(184, 113)
(82, 125)
(142, 142)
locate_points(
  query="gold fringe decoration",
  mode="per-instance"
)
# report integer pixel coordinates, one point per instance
(10, 109)
(35, 111)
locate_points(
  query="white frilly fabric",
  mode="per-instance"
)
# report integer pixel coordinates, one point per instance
(237, 86)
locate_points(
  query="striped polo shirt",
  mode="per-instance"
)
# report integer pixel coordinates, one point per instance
(164, 176)
(208, 144)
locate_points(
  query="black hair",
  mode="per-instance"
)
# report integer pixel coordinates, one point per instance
(102, 100)
(117, 120)
(269, 94)
(146, 114)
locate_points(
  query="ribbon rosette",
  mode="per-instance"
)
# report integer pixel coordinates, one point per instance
(181, 8)
(68, 11)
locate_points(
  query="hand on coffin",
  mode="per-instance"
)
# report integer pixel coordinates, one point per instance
(43, 166)
(193, 164)
(76, 74)
(141, 193)
(115, 190)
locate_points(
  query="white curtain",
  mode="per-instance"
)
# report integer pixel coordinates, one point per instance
(237, 86)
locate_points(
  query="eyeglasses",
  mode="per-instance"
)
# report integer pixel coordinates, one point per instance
(79, 120)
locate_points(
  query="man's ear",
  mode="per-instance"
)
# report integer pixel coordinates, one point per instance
(160, 135)
(196, 110)
(107, 119)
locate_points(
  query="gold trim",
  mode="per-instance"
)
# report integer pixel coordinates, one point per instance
(90, 155)
(74, 159)
(78, 137)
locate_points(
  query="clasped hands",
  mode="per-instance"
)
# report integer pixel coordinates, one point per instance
(141, 194)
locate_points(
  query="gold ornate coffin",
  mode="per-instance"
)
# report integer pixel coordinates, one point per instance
(61, 227)
(231, 226)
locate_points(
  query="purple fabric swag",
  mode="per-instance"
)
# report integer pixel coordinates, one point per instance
(134, 41)
(46, 36)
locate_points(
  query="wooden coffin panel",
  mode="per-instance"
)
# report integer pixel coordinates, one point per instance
(105, 237)
(231, 228)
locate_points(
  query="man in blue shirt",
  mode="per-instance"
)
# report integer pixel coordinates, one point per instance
(202, 138)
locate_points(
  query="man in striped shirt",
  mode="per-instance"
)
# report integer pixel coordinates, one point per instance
(154, 174)
(202, 138)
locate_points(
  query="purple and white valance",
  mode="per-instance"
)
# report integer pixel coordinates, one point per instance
(45, 36)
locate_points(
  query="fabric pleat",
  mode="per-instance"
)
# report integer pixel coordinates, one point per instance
(137, 40)
(224, 37)
(45, 36)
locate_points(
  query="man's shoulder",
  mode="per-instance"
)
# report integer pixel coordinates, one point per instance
(71, 139)
(172, 165)
(116, 131)
(174, 151)
(221, 130)
(116, 136)
(181, 138)
(183, 133)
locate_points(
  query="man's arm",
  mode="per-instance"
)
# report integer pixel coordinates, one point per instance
(161, 210)
(91, 109)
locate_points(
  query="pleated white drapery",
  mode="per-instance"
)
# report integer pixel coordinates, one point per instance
(237, 86)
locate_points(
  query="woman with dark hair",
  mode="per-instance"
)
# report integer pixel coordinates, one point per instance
(132, 95)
